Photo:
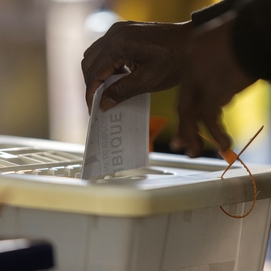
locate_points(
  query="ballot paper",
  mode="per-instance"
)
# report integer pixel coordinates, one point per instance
(117, 139)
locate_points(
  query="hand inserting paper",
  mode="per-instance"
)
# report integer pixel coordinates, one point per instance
(161, 56)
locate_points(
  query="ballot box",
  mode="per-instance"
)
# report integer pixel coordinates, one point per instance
(164, 217)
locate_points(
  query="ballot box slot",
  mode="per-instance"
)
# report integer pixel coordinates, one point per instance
(44, 161)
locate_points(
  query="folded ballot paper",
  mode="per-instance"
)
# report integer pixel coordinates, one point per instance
(117, 139)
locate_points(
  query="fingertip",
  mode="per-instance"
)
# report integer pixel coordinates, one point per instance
(191, 153)
(176, 144)
(192, 149)
(225, 142)
(218, 132)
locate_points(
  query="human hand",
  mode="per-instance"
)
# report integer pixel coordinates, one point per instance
(161, 56)
(152, 52)
(211, 77)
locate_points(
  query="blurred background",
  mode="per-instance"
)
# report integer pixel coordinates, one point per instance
(42, 88)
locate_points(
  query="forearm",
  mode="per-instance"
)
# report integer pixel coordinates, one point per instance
(251, 37)
(206, 14)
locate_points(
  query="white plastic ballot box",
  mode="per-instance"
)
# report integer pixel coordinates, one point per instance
(164, 217)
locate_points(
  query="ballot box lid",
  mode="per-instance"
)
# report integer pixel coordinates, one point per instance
(171, 183)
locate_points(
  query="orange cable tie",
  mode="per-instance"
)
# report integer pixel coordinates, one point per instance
(230, 157)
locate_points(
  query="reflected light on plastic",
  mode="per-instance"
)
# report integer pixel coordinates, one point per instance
(101, 21)
(11, 245)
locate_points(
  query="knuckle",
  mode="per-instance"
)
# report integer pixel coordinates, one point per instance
(91, 75)
(121, 32)
(115, 29)
(121, 93)
(118, 25)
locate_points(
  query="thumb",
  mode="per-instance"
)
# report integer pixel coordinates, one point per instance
(122, 90)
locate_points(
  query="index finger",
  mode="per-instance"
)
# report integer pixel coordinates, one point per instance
(90, 55)
(98, 71)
